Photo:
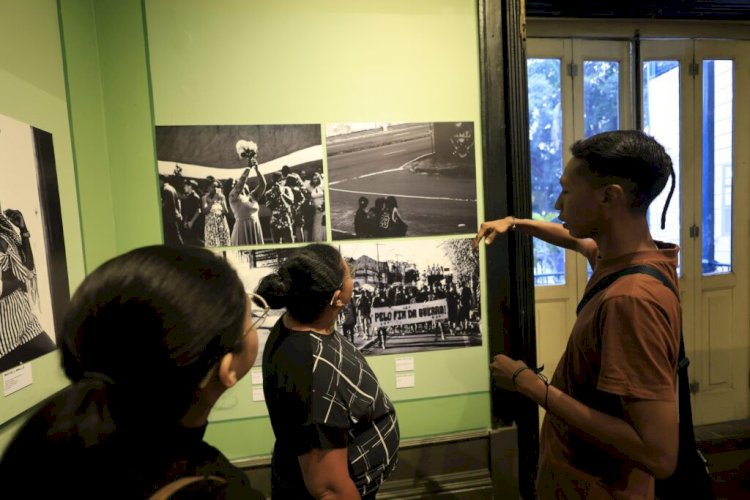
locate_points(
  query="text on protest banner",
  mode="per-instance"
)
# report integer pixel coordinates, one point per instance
(409, 314)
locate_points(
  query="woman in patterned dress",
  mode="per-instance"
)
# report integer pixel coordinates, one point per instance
(215, 208)
(279, 200)
(336, 430)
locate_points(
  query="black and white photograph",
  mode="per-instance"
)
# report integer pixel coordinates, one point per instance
(241, 185)
(252, 266)
(390, 180)
(412, 296)
(34, 289)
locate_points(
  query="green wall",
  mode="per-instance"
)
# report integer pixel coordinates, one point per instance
(32, 90)
(131, 65)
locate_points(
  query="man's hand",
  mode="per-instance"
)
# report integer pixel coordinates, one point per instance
(490, 229)
(503, 369)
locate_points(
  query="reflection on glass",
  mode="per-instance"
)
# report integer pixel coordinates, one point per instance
(601, 93)
(661, 119)
(546, 144)
(718, 97)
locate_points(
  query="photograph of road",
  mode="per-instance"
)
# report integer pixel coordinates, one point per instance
(408, 296)
(241, 185)
(389, 180)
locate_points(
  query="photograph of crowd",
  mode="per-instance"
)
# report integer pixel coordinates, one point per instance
(412, 296)
(232, 185)
(34, 289)
(389, 180)
(408, 297)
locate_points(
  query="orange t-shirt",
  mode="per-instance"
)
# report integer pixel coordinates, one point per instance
(625, 343)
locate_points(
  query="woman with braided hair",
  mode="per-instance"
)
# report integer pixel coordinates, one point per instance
(22, 337)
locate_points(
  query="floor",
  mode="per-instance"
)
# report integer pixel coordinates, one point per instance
(727, 449)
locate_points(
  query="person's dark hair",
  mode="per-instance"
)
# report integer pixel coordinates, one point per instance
(379, 203)
(364, 201)
(292, 181)
(632, 159)
(285, 170)
(390, 202)
(142, 331)
(305, 282)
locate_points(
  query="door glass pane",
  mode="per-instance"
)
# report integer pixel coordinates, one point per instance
(661, 119)
(601, 92)
(546, 145)
(718, 94)
(601, 101)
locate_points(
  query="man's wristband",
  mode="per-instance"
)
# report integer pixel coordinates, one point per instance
(517, 373)
(513, 223)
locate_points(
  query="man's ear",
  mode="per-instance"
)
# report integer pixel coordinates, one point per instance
(227, 373)
(614, 194)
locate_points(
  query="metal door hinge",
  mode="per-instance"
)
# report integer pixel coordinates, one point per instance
(572, 70)
(694, 69)
(695, 231)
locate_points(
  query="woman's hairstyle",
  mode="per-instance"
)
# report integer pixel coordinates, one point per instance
(305, 282)
(379, 203)
(390, 202)
(632, 159)
(141, 334)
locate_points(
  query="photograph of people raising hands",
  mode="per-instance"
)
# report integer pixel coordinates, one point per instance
(258, 184)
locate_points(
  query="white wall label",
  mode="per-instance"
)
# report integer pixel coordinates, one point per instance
(17, 378)
(256, 377)
(258, 394)
(405, 364)
(404, 380)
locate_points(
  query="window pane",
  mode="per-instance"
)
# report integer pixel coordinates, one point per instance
(661, 119)
(546, 144)
(718, 93)
(601, 92)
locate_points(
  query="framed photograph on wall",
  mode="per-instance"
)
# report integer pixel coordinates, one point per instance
(408, 296)
(390, 180)
(241, 185)
(34, 288)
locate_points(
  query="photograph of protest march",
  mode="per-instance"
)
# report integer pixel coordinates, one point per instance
(412, 296)
(241, 185)
(408, 296)
(34, 288)
(389, 180)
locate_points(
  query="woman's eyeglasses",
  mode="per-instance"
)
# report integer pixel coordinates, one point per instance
(259, 313)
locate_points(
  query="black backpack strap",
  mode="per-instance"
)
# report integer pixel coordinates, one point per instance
(686, 414)
(609, 279)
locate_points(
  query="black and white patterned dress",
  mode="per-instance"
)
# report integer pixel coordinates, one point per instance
(322, 393)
